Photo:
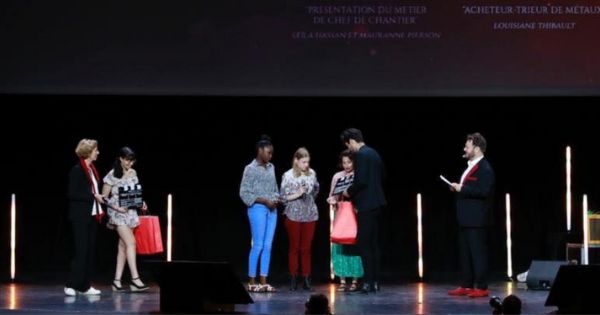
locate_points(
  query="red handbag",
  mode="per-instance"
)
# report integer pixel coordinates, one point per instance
(147, 236)
(344, 225)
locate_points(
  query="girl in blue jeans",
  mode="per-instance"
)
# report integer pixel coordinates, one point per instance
(259, 192)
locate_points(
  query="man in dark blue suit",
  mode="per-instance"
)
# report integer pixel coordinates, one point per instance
(474, 198)
(368, 199)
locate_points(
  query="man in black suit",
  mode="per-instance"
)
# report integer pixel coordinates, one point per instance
(366, 193)
(474, 197)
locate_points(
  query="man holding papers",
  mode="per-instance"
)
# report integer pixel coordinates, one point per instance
(474, 195)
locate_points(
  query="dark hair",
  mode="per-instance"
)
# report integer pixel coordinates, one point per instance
(346, 153)
(511, 305)
(125, 153)
(478, 141)
(351, 133)
(317, 304)
(265, 141)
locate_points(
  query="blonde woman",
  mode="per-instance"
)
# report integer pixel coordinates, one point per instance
(84, 207)
(299, 187)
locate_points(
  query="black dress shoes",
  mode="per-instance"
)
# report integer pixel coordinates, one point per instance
(367, 288)
(376, 286)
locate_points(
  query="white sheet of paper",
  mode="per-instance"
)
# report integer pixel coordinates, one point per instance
(445, 180)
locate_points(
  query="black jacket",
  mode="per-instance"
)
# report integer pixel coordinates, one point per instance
(80, 194)
(475, 199)
(366, 191)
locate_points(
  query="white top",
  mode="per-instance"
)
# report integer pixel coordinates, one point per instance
(96, 209)
(471, 163)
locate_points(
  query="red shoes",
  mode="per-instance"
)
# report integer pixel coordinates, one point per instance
(460, 291)
(473, 293)
(479, 293)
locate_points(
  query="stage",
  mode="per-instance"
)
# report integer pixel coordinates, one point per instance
(409, 298)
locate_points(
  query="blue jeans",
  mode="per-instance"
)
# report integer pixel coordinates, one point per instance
(262, 225)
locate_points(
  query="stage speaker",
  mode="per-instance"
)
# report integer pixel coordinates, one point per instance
(573, 290)
(542, 272)
(198, 287)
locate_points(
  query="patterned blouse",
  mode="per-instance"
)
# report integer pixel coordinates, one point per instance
(129, 218)
(302, 209)
(258, 182)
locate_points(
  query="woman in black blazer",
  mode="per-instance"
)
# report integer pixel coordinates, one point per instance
(84, 209)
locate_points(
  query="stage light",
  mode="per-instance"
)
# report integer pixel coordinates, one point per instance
(12, 297)
(568, 166)
(509, 288)
(13, 237)
(332, 292)
(169, 222)
(331, 273)
(420, 298)
(509, 270)
(420, 235)
(584, 254)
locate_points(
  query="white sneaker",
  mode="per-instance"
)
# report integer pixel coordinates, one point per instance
(92, 298)
(523, 276)
(70, 291)
(91, 291)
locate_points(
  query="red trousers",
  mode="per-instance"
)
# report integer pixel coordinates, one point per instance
(300, 236)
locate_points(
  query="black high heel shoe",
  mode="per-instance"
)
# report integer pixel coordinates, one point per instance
(136, 288)
(117, 288)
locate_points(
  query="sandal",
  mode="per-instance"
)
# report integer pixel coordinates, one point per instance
(353, 287)
(117, 288)
(267, 288)
(342, 287)
(254, 288)
(137, 288)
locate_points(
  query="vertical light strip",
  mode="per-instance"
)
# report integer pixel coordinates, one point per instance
(169, 228)
(331, 273)
(509, 270)
(13, 237)
(420, 234)
(509, 288)
(568, 155)
(12, 297)
(332, 292)
(584, 254)
(420, 298)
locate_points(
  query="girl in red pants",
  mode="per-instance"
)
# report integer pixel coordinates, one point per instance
(299, 187)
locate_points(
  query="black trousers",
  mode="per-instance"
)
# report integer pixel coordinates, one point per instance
(82, 264)
(368, 244)
(474, 256)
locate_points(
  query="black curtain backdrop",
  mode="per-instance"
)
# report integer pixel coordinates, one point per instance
(196, 148)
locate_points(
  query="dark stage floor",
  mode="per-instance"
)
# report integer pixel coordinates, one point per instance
(413, 298)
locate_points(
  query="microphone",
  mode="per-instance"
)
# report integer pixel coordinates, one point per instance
(464, 156)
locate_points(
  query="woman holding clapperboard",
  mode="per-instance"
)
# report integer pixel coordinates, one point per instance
(123, 219)
(345, 264)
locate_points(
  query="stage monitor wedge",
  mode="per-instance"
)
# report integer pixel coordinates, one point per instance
(542, 273)
(575, 290)
(198, 287)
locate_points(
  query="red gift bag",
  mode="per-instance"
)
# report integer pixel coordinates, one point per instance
(345, 225)
(147, 236)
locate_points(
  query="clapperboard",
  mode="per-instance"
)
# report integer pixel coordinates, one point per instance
(131, 196)
(342, 184)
